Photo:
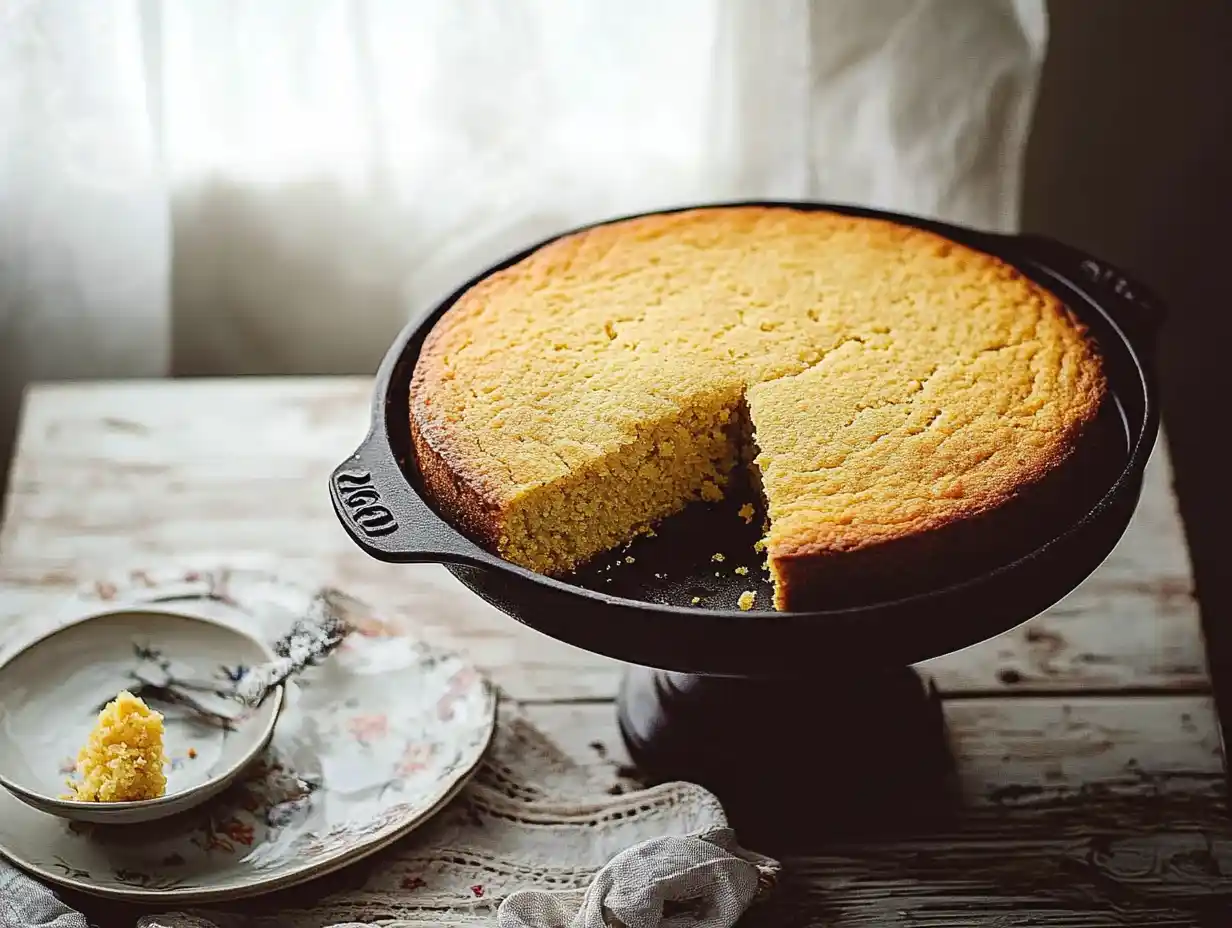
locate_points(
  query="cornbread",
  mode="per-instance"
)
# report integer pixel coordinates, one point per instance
(123, 759)
(893, 392)
(745, 602)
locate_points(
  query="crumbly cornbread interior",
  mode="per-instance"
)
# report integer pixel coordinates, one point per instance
(123, 759)
(884, 380)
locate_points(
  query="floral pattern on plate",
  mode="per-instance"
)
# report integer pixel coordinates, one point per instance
(371, 743)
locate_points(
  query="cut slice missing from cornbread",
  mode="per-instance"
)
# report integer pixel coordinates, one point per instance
(904, 392)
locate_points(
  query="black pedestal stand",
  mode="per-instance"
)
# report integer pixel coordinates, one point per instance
(796, 759)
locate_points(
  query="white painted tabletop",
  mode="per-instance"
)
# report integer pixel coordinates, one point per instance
(1087, 740)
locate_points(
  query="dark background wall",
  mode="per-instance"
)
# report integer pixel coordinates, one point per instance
(1131, 159)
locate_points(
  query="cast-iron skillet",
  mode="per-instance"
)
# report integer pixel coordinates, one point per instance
(636, 605)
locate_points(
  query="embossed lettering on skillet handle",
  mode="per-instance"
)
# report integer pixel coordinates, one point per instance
(1132, 304)
(385, 516)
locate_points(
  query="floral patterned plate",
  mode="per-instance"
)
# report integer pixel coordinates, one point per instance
(369, 745)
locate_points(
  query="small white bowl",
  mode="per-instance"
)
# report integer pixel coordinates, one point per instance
(52, 690)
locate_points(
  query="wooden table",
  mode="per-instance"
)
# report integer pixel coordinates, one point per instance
(1087, 740)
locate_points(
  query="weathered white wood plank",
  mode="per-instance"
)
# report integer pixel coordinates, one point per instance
(120, 474)
(1012, 753)
(1144, 872)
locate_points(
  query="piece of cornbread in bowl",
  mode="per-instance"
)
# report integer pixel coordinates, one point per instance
(123, 759)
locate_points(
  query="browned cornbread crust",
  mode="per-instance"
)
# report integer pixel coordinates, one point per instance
(909, 395)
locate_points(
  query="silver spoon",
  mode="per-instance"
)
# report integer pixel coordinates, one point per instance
(310, 639)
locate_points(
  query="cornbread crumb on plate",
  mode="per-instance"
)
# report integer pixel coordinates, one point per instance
(746, 599)
(717, 558)
(123, 760)
(742, 571)
(747, 512)
(696, 600)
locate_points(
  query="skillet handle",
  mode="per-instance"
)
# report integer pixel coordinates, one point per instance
(1131, 303)
(386, 517)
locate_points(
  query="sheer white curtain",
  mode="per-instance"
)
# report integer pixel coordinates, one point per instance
(244, 186)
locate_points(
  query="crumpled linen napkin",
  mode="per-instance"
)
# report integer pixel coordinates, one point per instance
(25, 903)
(698, 881)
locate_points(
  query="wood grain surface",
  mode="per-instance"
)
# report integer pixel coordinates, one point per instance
(1087, 743)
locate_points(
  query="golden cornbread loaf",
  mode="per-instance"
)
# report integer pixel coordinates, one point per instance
(897, 385)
